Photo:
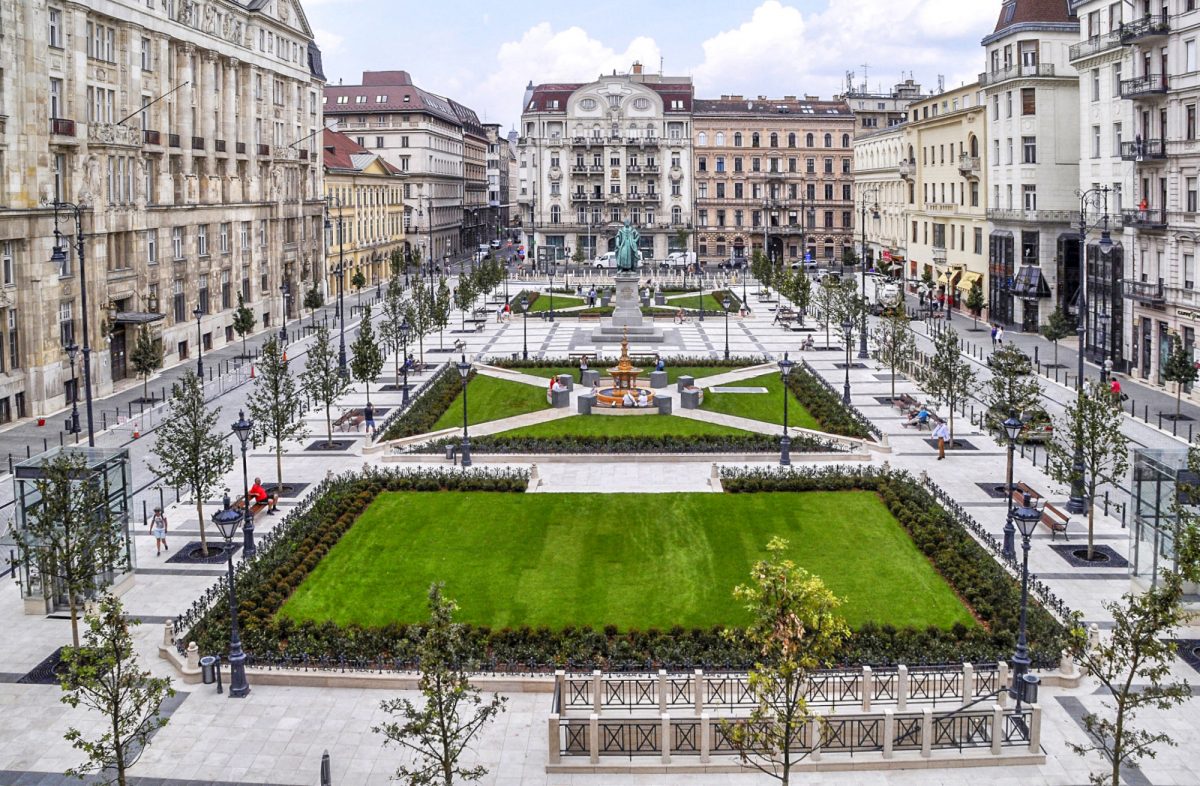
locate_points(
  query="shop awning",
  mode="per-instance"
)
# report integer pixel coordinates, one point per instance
(969, 279)
(137, 317)
(1030, 284)
(944, 280)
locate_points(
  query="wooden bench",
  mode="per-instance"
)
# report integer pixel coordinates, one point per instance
(349, 420)
(785, 315)
(256, 507)
(905, 402)
(575, 357)
(1056, 521)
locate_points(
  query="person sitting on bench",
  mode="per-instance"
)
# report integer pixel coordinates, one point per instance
(261, 497)
(920, 419)
(643, 399)
(809, 345)
(628, 400)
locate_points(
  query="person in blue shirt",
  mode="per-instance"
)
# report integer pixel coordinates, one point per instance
(920, 419)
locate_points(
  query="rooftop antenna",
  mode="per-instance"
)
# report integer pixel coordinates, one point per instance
(660, 65)
(866, 67)
(941, 84)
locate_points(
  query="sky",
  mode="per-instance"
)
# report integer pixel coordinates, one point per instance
(484, 54)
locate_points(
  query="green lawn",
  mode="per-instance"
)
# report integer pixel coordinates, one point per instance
(489, 398)
(624, 426)
(673, 372)
(692, 301)
(767, 407)
(543, 303)
(634, 561)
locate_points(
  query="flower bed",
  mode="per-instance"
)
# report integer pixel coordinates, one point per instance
(981, 582)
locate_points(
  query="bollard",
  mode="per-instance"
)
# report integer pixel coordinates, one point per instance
(61, 441)
(1160, 420)
(28, 453)
(1146, 413)
(1035, 355)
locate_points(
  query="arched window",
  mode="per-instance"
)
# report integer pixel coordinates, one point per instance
(677, 215)
(791, 140)
(702, 139)
(720, 139)
(809, 140)
(737, 139)
(774, 140)
(845, 140)
(974, 146)
(555, 214)
(754, 139)
(829, 140)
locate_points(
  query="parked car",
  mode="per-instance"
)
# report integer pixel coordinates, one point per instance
(1038, 428)
(807, 264)
(496, 243)
(679, 259)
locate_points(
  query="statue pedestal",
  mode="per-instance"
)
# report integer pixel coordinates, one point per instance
(627, 316)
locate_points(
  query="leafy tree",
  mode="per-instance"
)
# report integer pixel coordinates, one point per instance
(322, 379)
(313, 299)
(975, 301)
(393, 312)
(681, 238)
(440, 312)
(71, 535)
(274, 405)
(464, 297)
(1179, 368)
(190, 449)
(147, 357)
(762, 270)
(104, 676)
(579, 257)
(1011, 388)
(1134, 664)
(366, 357)
(849, 257)
(1094, 424)
(796, 287)
(948, 379)
(358, 280)
(418, 311)
(826, 297)
(454, 711)
(396, 262)
(894, 338)
(1058, 326)
(795, 629)
(243, 322)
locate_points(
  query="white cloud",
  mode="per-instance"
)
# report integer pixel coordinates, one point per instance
(542, 55)
(330, 43)
(770, 48)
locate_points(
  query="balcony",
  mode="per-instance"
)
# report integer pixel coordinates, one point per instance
(907, 169)
(1033, 216)
(197, 143)
(1142, 86)
(941, 207)
(172, 140)
(60, 126)
(1094, 46)
(1150, 218)
(219, 145)
(596, 169)
(239, 148)
(939, 255)
(988, 78)
(303, 154)
(1145, 150)
(579, 169)
(1147, 293)
(151, 137)
(650, 143)
(968, 166)
(577, 196)
(633, 168)
(1146, 30)
(651, 170)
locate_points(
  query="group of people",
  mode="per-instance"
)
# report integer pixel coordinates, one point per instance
(503, 312)
(158, 522)
(997, 336)
(642, 399)
(941, 431)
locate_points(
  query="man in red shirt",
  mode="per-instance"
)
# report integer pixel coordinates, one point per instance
(261, 496)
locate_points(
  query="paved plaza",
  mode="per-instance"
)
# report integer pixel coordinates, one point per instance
(278, 734)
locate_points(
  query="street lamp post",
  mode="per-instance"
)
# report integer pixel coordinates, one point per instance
(1012, 429)
(848, 333)
(340, 311)
(550, 271)
(197, 313)
(727, 303)
(524, 327)
(464, 369)
(862, 263)
(1105, 363)
(59, 258)
(785, 442)
(1096, 198)
(283, 322)
(242, 428)
(73, 421)
(226, 521)
(404, 330)
(1027, 518)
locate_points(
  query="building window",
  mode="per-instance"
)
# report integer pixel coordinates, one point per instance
(178, 305)
(202, 240)
(152, 247)
(1095, 141)
(177, 242)
(203, 294)
(101, 42)
(66, 324)
(1029, 197)
(223, 238)
(146, 55)
(1029, 149)
(54, 19)
(1191, 195)
(1028, 101)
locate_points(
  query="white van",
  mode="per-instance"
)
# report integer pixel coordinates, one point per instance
(680, 259)
(605, 261)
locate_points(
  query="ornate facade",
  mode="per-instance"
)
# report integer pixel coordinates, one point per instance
(186, 132)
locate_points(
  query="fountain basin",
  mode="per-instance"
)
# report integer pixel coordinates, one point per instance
(613, 397)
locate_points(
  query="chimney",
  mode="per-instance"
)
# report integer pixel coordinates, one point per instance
(637, 68)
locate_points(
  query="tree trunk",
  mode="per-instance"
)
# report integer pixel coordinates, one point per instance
(893, 378)
(1118, 746)
(328, 427)
(74, 618)
(278, 467)
(200, 516)
(368, 384)
(145, 386)
(950, 442)
(1091, 529)
(1178, 396)
(1055, 353)
(245, 352)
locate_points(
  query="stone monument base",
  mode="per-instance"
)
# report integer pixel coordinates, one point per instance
(627, 316)
(644, 334)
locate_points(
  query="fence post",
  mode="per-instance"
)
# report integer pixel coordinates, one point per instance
(997, 728)
(698, 690)
(1002, 683)
(665, 734)
(814, 739)
(594, 739)
(866, 686)
(926, 732)
(597, 681)
(968, 683)
(902, 687)
(889, 731)
(705, 737)
(1035, 729)
(662, 691)
(555, 750)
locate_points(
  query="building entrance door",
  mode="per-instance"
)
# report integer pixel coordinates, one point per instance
(117, 350)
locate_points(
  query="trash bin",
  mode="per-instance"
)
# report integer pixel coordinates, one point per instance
(451, 452)
(208, 669)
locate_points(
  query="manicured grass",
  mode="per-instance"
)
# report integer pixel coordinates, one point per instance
(489, 398)
(543, 303)
(630, 560)
(673, 372)
(692, 302)
(624, 426)
(767, 407)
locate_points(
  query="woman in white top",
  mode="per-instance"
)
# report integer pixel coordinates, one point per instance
(643, 399)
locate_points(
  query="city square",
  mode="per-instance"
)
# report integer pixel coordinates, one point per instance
(661, 439)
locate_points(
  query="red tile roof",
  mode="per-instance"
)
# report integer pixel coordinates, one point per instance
(339, 151)
(1015, 12)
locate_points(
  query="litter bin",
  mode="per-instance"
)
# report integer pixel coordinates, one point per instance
(208, 669)
(451, 452)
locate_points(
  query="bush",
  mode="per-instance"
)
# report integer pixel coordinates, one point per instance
(424, 411)
(824, 405)
(750, 443)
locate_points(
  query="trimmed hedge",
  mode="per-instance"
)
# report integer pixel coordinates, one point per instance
(424, 412)
(750, 443)
(980, 581)
(825, 406)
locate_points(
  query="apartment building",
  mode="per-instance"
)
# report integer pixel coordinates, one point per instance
(187, 135)
(879, 110)
(1032, 93)
(477, 215)
(499, 155)
(946, 173)
(883, 237)
(366, 216)
(774, 174)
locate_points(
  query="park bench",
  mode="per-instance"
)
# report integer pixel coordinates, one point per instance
(785, 315)
(256, 507)
(575, 357)
(905, 402)
(1055, 520)
(350, 419)
(1021, 489)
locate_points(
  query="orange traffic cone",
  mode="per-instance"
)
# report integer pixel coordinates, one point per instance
(136, 434)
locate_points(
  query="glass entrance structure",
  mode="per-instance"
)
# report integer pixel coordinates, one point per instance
(110, 469)
(1163, 486)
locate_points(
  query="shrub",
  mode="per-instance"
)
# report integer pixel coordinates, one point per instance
(749, 443)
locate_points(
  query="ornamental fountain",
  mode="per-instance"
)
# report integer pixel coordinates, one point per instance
(624, 381)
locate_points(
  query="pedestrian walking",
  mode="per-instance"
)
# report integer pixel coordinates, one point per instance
(995, 328)
(369, 418)
(999, 335)
(941, 434)
(158, 528)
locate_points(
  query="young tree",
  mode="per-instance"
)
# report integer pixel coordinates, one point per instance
(464, 297)
(579, 257)
(1011, 387)
(826, 297)
(190, 449)
(321, 378)
(1179, 368)
(948, 379)
(243, 322)
(1094, 424)
(274, 405)
(105, 676)
(440, 312)
(1134, 663)
(147, 357)
(418, 311)
(71, 535)
(366, 357)
(393, 310)
(396, 262)
(762, 270)
(681, 238)
(975, 300)
(454, 711)
(1058, 326)
(313, 299)
(893, 335)
(795, 629)
(358, 280)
